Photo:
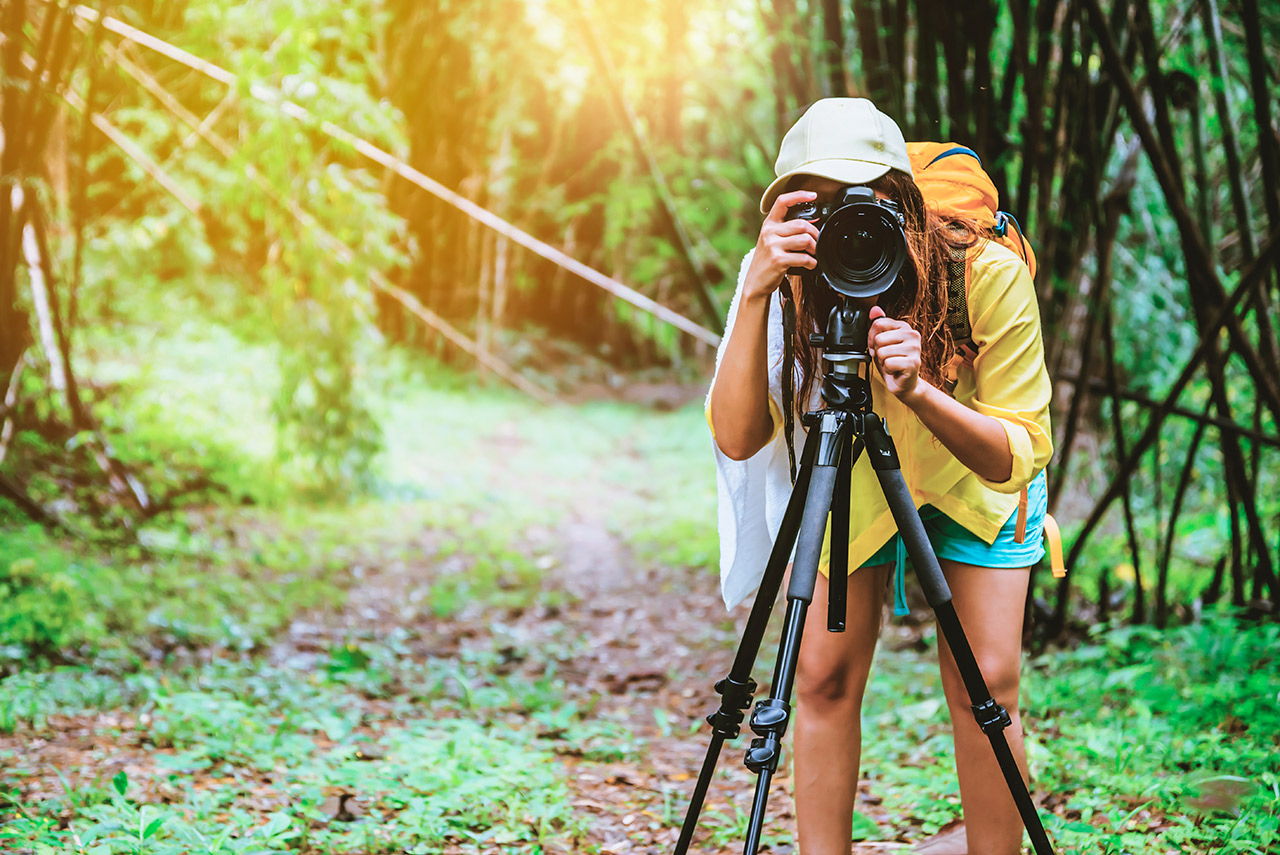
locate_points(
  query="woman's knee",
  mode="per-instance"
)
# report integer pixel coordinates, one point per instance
(1000, 673)
(831, 681)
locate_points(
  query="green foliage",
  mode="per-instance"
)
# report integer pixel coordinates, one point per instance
(246, 261)
(1145, 741)
(1181, 742)
(39, 606)
(62, 602)
(427, 776)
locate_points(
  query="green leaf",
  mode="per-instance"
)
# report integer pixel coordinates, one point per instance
(865, 828)
(152, 827)
(278, 823)
(120, 782)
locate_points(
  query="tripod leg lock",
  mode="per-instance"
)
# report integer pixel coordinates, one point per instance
(769, 719)
(735, 698)
(991, 717)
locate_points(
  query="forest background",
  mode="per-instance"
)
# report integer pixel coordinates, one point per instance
(316, 431)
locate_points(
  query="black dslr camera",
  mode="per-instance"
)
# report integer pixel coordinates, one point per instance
(861, 244)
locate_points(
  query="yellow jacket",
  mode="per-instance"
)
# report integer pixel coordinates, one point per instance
(1007, 381)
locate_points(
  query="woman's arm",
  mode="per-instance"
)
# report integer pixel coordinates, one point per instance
(739, 401)
(979, 442)
(739, 405)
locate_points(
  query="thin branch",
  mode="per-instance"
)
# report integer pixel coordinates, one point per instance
(1171, 527)
(1206, 287)
(1252, 278)
(1096, 386)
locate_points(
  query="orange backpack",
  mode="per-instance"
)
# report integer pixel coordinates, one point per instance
(953, 182)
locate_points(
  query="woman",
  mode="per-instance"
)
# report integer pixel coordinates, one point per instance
(965, 455)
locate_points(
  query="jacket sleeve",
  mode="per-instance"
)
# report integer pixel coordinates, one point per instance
(1011, 383)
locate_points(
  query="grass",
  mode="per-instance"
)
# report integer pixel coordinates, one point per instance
(1147, 742)
(459, 752)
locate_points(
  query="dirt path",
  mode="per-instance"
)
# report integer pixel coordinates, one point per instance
(632, 642)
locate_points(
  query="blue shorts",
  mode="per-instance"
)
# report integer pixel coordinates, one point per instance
(955, 542)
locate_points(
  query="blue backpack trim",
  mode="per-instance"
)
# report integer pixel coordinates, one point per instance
(959, 149)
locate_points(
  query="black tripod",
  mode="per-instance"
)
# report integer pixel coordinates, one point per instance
(837, 436)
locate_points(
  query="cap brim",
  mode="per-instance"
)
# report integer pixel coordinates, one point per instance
(842, 170)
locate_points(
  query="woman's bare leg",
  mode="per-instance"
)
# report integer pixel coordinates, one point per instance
(989, 603)
(831, 676)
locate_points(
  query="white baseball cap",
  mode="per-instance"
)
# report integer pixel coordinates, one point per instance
(844, 139)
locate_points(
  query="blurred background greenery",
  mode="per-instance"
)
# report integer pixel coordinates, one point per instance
(243, 363)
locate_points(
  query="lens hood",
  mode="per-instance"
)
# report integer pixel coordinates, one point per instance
(861, 246)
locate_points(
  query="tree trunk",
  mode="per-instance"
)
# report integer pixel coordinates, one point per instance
(928, 120)
(14, 333)
(833, 49)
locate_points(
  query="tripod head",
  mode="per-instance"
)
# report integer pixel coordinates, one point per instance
(846, 382)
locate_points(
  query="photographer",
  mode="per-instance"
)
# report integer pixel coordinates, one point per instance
(965, 454)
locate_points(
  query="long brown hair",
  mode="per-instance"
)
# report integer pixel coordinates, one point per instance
(919, 298)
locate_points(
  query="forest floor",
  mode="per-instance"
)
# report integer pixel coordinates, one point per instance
(511, 648)
(627, 645)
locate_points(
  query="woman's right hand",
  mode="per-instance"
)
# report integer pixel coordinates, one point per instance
(783, 244)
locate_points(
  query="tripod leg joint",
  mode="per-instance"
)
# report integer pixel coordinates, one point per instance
(769, 719)
(735, 698)
(991, 717)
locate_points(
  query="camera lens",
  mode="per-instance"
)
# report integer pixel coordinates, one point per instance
(858, 250)
(861, 249)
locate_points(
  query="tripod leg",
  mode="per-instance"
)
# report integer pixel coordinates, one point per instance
(991, 717)
(771, 716)
(837, 595)
(737, 688)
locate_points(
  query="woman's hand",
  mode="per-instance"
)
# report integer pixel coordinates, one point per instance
(895, 346)
(783, 244)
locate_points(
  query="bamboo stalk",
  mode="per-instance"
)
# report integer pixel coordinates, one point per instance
(10, 403)
(270, 97)
(1252, 278)
(13, 322)
(341, 250)
(1206, 287)
(1212, 26)
(1166, 551)
(1117, 426)
(695, 259)
(1263, 91)
(40, 301)
(1115, 201)
(61, 329)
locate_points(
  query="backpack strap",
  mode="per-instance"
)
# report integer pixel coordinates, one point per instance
(1003, 220)
(789, 373)
(958, 317)
(1054, 537)
(1051, 534)
(1020, 529)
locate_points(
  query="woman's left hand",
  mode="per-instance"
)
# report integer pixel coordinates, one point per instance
(895, 346)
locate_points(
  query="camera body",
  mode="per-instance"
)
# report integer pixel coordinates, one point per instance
(861, 243)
